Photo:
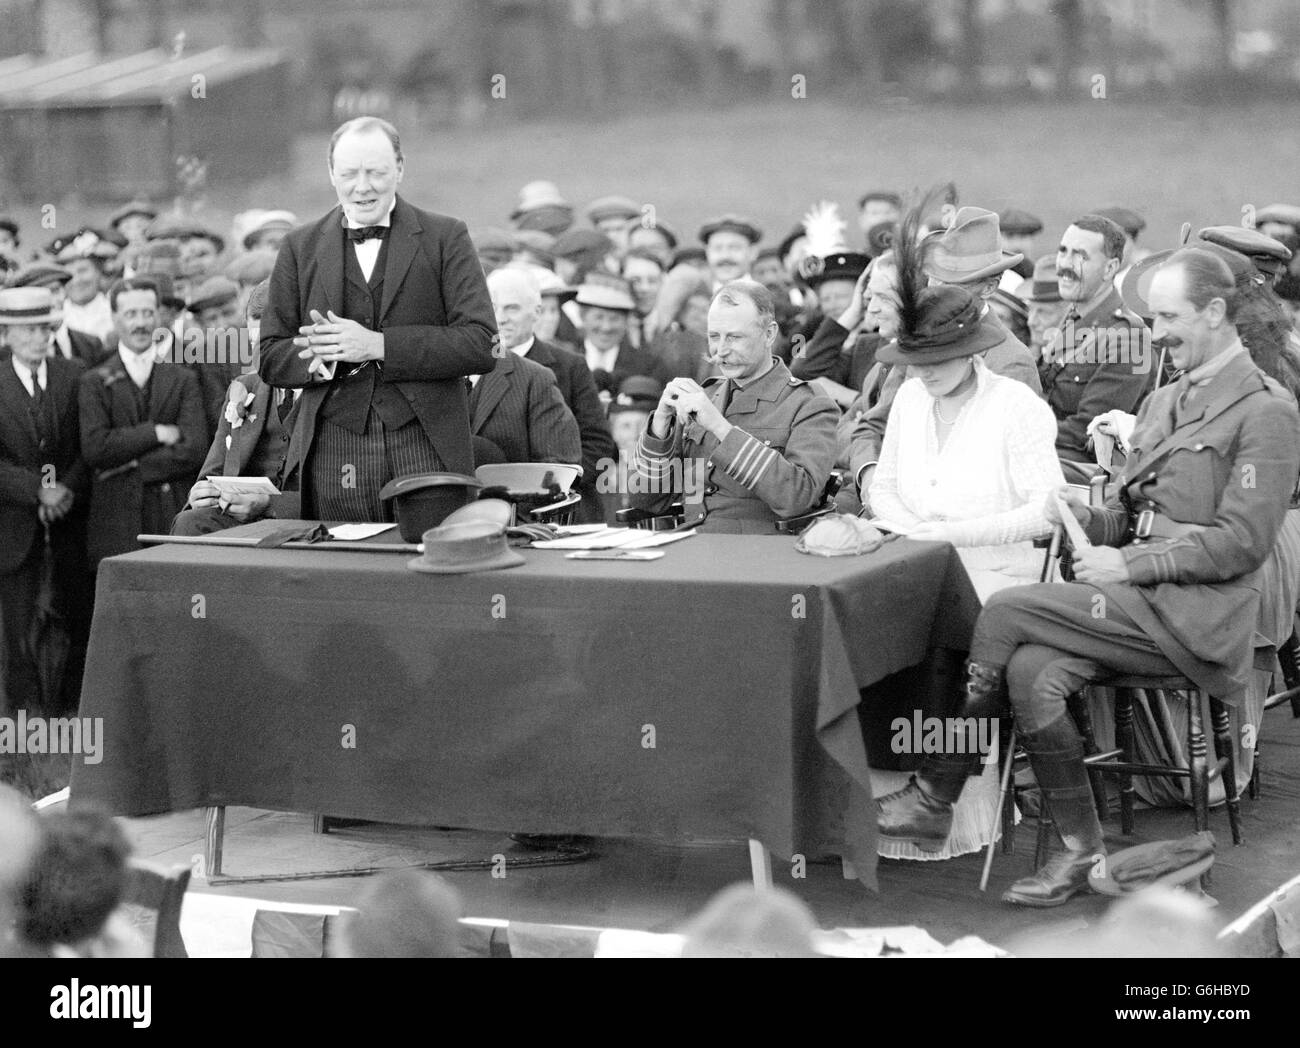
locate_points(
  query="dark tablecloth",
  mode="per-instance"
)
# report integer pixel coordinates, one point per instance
(712, 693)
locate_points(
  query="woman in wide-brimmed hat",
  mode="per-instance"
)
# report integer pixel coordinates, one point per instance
(969, 458)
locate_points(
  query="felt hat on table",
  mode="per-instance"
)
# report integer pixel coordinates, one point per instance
(26, 305)
(457, 549)
(945, 325)
(968, 250)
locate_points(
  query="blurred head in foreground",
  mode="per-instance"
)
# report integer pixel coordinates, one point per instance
(406, 913)
(742, 921)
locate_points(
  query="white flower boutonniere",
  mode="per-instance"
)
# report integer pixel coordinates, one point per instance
(237, 403)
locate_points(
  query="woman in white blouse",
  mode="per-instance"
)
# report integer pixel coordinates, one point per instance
(969, 456)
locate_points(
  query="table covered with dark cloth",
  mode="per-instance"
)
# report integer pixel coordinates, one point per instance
(709, 694)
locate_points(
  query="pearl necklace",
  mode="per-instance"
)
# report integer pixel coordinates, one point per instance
(938, 412)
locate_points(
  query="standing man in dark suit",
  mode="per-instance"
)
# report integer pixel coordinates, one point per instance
(43, 484)
(142, 429)
(517, 302)
(380, 310)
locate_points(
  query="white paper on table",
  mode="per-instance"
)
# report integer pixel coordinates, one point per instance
(243, 486)
(353, 532)
(615, 538)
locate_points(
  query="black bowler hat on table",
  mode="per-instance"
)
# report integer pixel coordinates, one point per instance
(425, 500)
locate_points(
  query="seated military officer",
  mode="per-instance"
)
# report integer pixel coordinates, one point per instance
(755, 446)
(1170, 585)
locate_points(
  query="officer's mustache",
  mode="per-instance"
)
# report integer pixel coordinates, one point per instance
(1067, 274)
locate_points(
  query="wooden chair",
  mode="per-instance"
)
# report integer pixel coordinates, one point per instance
(1288, 657)
(155, 894)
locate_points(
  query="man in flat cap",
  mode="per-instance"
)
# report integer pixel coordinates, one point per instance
(1100, 359)
(66, 342)
(381, 311)
(1277, 220)
(579, 251)
(43, 489)
(1132, 223)
(542, 207)
(267, 233)
(876, 208)
(495, 248)
(730, 245)
(217, 308)
(132, 221)
(1046, 307)
(655, 236)
(200, 247)
(840, 352)
(1019, 230)
(614, 216)
(752, 447)
(1270, 256)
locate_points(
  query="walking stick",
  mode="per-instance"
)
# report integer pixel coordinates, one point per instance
(1002, 803)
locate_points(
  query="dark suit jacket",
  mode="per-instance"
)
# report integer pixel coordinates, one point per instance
(244, 441)
(85, 347)
(436, 318)
(630, 361)
(22, 463)
(1227, 464)
(579, 392)
(518, 407)
(825, 356)
(140, 485)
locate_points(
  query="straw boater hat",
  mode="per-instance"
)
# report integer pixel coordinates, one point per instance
(969, 250)
(939, 323)
(26, 305)
(606, 292)
(264, 223)
(537, 195)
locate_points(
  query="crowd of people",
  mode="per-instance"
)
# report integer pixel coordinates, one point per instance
(941, 370)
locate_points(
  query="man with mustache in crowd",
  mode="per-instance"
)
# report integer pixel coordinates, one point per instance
(1101, 360)
(142, 430)
(730, 248)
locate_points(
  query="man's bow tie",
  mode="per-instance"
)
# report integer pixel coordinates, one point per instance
(367, 233)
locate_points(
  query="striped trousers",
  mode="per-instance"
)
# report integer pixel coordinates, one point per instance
(348, 469)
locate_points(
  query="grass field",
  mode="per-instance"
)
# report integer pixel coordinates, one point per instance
(1173, 164)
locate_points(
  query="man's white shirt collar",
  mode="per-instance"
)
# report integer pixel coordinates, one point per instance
(24, 373)
(600, 359)
(138, 365)
(523, 347)
(387, 220)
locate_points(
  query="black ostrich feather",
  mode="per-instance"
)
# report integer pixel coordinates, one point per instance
(909, 257)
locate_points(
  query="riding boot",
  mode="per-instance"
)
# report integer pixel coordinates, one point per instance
(1056, 753)
(921, 812)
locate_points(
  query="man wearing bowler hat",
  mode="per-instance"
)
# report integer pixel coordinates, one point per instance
(43, 485)
(1019, 229)
(1046, 307)
(613, 216)
(380, 310)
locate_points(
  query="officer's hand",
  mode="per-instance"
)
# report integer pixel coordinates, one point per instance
(1077, 506)
(204, 494)
(691, 401)
(1099, 565)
